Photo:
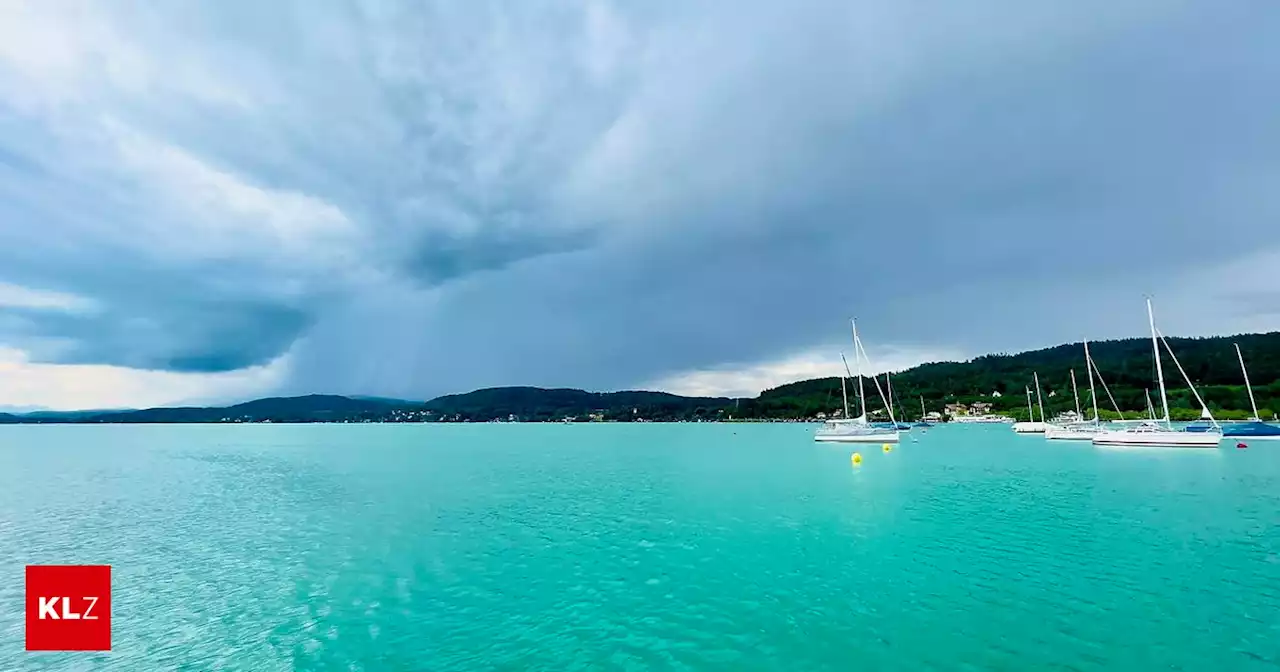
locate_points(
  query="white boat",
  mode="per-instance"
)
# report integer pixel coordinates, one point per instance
(1076, 431)
(1161, 433)
(1032, 426)
(857, 430)
(1148, 434)
(852, 431)
(1080, 430)
(1066, 417)
(924, 416)
(988, 419)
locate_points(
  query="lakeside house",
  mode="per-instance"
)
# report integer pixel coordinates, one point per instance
(976, 408)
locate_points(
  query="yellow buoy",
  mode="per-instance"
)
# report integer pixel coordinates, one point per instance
(887, 447)
(856, 458)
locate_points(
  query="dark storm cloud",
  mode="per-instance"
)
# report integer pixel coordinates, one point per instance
(195, 336)
(600, 195)
(440, 259)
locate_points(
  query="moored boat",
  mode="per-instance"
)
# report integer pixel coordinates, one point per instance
(924, 416)
(1080, 430)
(987, 419)
(1253, 428)
(1152, 434)
(851, 431)
(857, 430)
(1148, 434)
(1032, 426)
(1076, 431)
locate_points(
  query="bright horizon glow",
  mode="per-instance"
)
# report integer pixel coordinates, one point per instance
(750, 380)
(70, 387)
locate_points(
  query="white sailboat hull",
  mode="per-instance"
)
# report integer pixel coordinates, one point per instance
(981, 419)
(1086, 433)
(1029, 427)
(1157, 439)
(856, 437)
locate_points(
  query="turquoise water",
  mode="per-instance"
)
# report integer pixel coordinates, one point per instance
(644, 547)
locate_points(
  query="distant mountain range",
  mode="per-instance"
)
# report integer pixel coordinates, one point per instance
(310, 408)
(535, 403)
(999, 380)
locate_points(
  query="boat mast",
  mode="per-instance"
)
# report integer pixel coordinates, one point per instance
(874, 379)
(1076, 394)
(1103, 383)
(889, 384)
(1252, 404)
(923, 414)
(843, 394)
(1039, 401)
(1088, 362)
(1031, 413)
(1151, 408)
(857, 358)
(1155, 350)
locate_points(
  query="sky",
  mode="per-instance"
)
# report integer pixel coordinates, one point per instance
(211, 201)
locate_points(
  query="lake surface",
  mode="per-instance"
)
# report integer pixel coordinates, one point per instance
(643, 547)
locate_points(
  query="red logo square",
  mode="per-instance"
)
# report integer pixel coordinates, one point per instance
(68, 607)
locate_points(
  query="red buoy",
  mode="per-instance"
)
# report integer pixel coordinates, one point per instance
(1241, 445)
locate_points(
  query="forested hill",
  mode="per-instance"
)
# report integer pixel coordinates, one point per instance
(309, 408)
(535, 403)
(1126, 366)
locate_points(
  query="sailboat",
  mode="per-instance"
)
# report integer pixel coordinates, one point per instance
(1031, 426)
(857, 430)
(1079, 431)
(1254, 428)
(1160, 433)
(924, 417)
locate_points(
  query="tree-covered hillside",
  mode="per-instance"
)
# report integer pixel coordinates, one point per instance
(1126, 366)
(534, 403)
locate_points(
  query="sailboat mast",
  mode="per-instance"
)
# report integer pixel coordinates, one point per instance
(923, 414)
(857, 358)
(1039, 401)
(1031, 414)
(1155, 350)
(1088, 363)
(844, 394)
(888, 382)
(874, 379)
(1151, 408)
(1075, 394)
(1252, 404)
